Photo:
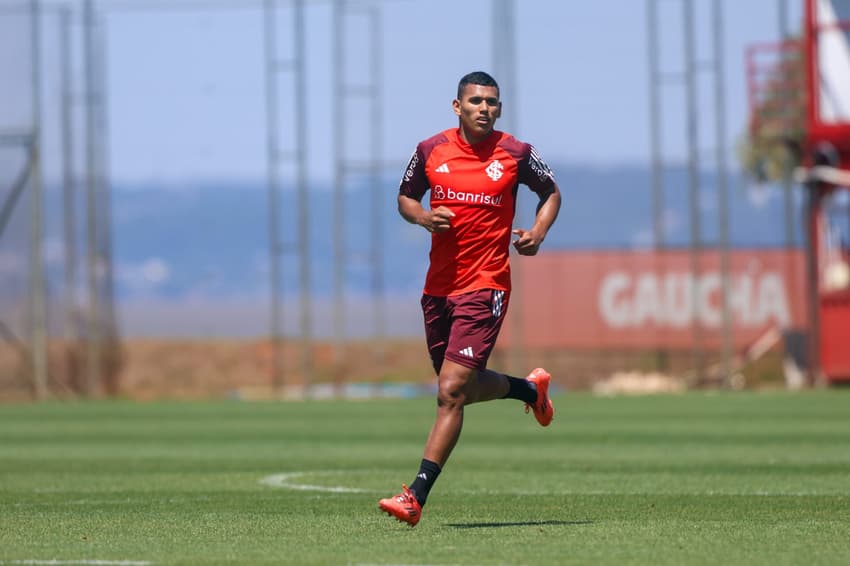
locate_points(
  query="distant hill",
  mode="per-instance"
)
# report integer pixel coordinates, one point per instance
(213, 239)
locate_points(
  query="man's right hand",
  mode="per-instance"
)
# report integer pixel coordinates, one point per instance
(438, 220)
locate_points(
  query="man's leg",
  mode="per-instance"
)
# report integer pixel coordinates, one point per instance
(453, 330)
(511, 387)
(533, 390)
(458, 386)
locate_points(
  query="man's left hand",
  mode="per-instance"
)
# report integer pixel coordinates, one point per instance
(527, 242)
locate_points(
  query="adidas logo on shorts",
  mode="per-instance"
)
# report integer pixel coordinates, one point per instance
(468, 352)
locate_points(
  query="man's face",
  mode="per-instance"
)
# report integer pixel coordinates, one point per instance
(478, 109)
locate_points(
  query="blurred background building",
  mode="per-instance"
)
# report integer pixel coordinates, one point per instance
(198, 196)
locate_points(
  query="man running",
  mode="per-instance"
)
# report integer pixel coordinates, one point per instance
(473, 173)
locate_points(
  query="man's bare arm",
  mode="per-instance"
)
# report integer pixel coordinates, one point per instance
(437, 220)
(528, 241)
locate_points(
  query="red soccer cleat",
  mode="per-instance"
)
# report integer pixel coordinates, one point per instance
(543, 409)
(403, 506)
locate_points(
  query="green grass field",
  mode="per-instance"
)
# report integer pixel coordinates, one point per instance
(744, 478)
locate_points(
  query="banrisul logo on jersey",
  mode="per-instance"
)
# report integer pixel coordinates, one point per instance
(441, 193)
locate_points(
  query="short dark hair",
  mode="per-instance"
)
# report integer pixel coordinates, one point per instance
(476, 78)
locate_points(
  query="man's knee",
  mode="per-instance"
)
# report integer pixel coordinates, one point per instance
(454, 386)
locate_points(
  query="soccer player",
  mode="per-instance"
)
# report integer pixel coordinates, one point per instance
(473, 173)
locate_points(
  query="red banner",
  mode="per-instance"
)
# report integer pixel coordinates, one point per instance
(646, 299)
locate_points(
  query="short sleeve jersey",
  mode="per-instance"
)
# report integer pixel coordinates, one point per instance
(479, 184)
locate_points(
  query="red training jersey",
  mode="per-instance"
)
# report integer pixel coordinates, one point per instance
(479, 184)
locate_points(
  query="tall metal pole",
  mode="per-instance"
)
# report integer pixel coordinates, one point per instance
(787, 184)
(272, 153)
(657, 184)
(93, 350)
(378, 218)
(105, 191)
(338, 212)
(814, 204)
(722, 184)
(304, 247)
(37, 293)
(654, 130)
(504, 64)
(69, 222)
(693, 182)
(787, 181)
(813, 213)
(504, 59)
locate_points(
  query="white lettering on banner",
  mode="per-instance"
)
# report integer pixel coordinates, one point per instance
(774, 301)
(678, 304)
(666, 300)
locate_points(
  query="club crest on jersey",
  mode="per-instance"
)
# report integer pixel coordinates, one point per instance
(494, 170)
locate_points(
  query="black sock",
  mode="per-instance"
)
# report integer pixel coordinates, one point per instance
(428, 472)
(521, 389)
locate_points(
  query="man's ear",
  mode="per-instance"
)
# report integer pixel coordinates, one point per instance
(456, 106)
(499, 110)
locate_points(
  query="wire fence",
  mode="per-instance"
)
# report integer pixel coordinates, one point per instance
(256, 250)
(58, 338)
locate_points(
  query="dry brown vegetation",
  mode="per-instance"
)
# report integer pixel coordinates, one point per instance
(215, 369)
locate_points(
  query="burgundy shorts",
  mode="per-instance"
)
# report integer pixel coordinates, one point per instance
(463, 328)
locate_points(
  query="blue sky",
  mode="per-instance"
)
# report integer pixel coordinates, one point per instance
(186, 90)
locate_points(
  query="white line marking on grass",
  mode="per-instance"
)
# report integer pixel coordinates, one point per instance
(285, 481)
(127, 501)
(546, 493)
(99, 501)
(81, 562)
(397, 564)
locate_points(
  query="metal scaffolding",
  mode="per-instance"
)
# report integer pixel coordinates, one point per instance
(686, 79)
(347, 168)
(294, 66)
(93, 323)
(30, 339)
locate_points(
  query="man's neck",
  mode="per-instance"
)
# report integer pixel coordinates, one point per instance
(473, 140)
